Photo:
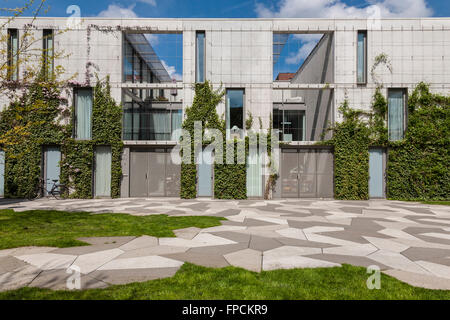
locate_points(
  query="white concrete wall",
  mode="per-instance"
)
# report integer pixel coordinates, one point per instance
(239, 53)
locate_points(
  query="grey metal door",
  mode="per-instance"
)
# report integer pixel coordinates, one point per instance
(138, 174)
(289, 173)
(306, 173)
(376, 173)
(156, 173)
(173, 176)
(205, 174)
(52, 157)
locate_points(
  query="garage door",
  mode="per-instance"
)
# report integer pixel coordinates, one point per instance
(306, 173)
(153, 174)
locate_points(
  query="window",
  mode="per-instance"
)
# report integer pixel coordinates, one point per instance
(200, 57)
(396, 113)
(361, 76)
(48, 52)
(235, 111)
(13, 48)
(150, 120)
(291, 124)
(83, 114)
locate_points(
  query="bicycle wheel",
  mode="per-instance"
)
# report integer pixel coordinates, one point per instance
(58, 192)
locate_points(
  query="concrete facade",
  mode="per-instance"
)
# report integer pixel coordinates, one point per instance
(239, 54)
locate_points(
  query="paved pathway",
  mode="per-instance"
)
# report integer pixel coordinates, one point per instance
(409, 241)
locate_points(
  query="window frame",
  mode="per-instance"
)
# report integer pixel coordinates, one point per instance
(197, 56)
(74, 116)
(364, 81)
(304, 122)
(227, 108)
(405, 110)
(45, 54)
(12, 75)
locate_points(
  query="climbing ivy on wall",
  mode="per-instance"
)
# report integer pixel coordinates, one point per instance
(78, 156)
(34, 121)
(27, 124)
(203, 109)
(351, 155)
(418, 166)
(229, 179)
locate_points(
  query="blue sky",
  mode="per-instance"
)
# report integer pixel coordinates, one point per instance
(292, 56)
(237, 8)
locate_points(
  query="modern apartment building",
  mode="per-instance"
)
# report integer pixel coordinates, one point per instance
(239, 55)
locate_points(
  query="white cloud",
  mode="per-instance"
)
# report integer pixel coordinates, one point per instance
(302, 52)
(152, 39)
(171, 71)
(150, 2)
(339, 9)
(116, 11)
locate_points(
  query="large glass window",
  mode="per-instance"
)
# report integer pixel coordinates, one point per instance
(149, 121)
(362, 57)
(200, 57)
(13, 48)
(48, 51)
(235, 111)
(291, 124)
(83, 114)
(396, 111)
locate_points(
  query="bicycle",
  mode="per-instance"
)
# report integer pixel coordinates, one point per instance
(56, 190)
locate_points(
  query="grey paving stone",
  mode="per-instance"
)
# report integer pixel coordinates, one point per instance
(227, 213)
(247, 258)
(255, 223)
(417, 253)
(9, 263)
(263, 244)
(357, 210)
(86, 249)
(346, 235)
(221, 250)
(132, 275)
(303, 243)
(202, 259)
(57, 280)
(187, 233)
(106, 240)
(151, 251)
(234, 236)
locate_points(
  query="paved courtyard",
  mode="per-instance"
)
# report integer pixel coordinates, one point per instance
(409, 241)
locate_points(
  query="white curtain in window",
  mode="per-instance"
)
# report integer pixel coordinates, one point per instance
(161, 124)
(176, 122)
(103, 171)
(254, 173)
(396, 114)
(84, 114)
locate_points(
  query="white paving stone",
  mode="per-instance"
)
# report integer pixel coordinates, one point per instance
(149, 262)
(141, 242)
(287, 251)
(396, 261)
(387, 244)
(437, 235)
(270, 263)
(361, 250)
(292, 233)
(48, 261)
(437, 269)
(92, 261)
(248, 259)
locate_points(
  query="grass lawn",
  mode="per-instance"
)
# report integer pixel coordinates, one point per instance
(60, 229)
(195, 282)
(443, 203)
